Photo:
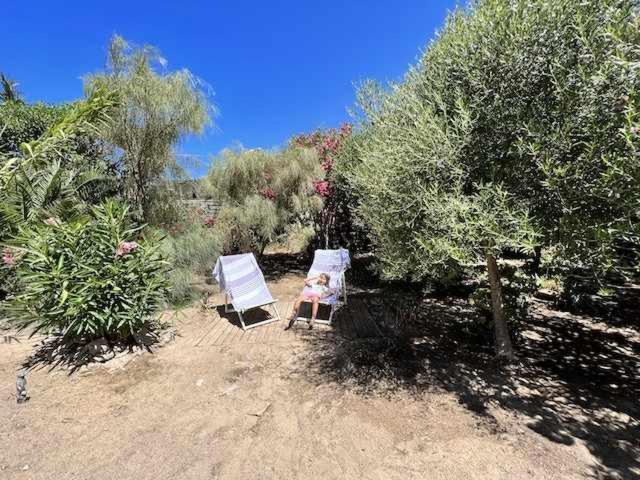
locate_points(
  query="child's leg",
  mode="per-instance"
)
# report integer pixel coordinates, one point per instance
(294, 312)
(314, 311)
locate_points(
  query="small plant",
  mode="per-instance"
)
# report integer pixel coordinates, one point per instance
(93, 278)
(192, 253)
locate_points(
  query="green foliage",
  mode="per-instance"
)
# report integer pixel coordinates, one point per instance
(40, 181)
(192, 254)
(156, 110)
(538, 99)
(88, 279)
(263, 192)
(21, 123)
(196, 249)
(9, 90)
(517, 289)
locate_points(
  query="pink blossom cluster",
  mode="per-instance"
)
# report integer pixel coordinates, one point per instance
(327, 143)
(346, 129)
(125, 248)
(53, 221)
(209, 222)
(8, 258)
(322, 188)
(268, 193)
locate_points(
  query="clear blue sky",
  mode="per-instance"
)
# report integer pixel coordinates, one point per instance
(277, 67)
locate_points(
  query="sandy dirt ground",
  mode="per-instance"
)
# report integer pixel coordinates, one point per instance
(259, 411)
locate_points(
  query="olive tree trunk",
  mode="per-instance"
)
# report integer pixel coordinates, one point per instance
(504, 349)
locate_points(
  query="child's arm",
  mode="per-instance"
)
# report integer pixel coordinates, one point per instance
(308, 281)
(328, 292)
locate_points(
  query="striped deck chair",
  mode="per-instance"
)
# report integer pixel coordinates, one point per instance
(335, 263)
(241, 280)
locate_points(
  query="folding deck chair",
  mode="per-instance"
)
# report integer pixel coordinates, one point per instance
(335, 263)
(241, 280)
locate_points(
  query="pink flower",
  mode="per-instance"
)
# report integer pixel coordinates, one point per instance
(53, 221)
(327, 163)
(268, 193)
(635, 130)
(322, 188)
(209, 222)
(125, 248)
(8, 258)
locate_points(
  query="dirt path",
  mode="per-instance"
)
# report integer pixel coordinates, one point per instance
(257, 411)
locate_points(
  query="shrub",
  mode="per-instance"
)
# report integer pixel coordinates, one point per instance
(192, 252)
(88, 279)
(263, 193)
(21, 123)
(196, 249)
(334, 224)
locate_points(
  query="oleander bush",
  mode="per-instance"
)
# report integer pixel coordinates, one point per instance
(97, 277)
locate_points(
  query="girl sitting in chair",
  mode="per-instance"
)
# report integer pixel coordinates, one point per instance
(315, 289)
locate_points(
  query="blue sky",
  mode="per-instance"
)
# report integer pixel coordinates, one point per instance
(277, 67)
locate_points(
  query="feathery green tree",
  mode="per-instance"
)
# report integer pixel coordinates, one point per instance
(156, 109)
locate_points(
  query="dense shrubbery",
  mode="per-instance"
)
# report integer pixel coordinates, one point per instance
(263, 193)
(21, 123)
(56, 163)
(335, 225)
(87, 279)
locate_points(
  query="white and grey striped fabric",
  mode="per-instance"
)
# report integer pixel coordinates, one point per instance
(334, 263)
(241, 279)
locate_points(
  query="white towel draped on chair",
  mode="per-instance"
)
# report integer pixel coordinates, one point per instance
(334, 263)
(242, 281)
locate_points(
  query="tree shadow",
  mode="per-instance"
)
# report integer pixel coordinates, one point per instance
(574, 379)
(276, 265)
(57, 352)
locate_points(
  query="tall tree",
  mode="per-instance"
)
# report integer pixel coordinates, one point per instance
(157, 109)
(9, 90)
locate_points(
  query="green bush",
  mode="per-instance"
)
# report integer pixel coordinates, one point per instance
(263, 193)
(88, 279)
(193, 252)
(21, 123)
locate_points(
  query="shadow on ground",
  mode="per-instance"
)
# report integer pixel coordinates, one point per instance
(274, 266)
(574, 380)
(251, 317)
(57, 352)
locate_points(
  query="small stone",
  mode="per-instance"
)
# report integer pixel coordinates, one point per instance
(199, 382)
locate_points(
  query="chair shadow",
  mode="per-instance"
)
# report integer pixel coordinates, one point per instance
(251, 317)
